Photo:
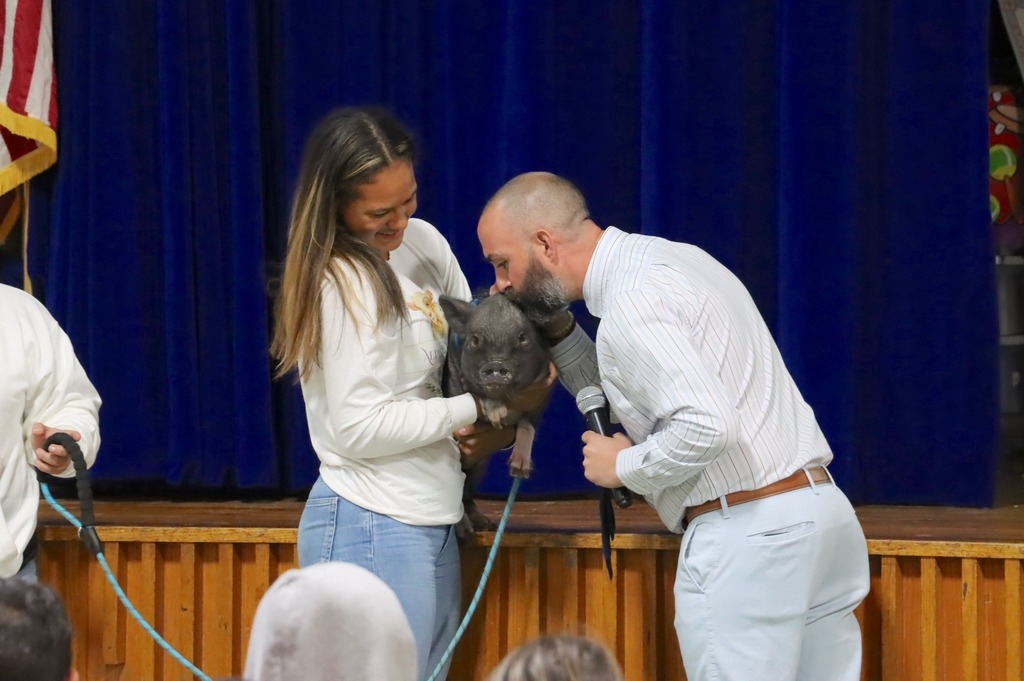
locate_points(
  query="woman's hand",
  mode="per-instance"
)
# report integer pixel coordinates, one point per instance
(481, 439)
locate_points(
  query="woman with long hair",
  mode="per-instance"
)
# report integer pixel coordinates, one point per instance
(358, 318)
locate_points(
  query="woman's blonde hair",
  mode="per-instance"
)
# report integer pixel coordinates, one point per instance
(345, 150)
(558, 658)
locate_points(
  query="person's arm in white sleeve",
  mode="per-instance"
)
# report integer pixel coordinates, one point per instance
(453, 280)
(659, 372)
(364, 413)
(61, 397)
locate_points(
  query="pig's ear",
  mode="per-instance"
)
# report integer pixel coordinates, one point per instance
(457, 312)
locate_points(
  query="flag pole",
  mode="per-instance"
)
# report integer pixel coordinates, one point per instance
(24, 238)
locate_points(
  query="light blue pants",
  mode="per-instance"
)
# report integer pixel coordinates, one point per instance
(419, 563)
(766, 590)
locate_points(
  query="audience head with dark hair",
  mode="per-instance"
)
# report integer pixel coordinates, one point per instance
(561, 657)
(330, 622)
(35, 632)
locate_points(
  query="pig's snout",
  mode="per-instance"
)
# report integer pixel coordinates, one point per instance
(495, 372)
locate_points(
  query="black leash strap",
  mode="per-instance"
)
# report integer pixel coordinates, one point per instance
(607, 512)
(86, 533)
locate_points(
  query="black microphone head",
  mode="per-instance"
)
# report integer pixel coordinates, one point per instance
(590, 398)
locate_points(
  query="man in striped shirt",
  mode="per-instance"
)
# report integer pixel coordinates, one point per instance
(773, 561)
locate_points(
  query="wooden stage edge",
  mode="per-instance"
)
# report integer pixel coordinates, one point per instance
(946, 599)
(890, 530)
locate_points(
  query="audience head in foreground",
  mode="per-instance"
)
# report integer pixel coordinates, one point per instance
(330, 622)
(35, 632)
(558, 658)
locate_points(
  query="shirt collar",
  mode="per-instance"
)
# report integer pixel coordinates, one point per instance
(598, 280)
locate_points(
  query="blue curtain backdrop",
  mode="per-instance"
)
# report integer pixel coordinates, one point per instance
(834, 155)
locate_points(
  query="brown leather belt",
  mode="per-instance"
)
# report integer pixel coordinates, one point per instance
(795, 481)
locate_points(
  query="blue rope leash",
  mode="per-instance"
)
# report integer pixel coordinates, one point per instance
(120, 592)
(95, 546)
(483, 579)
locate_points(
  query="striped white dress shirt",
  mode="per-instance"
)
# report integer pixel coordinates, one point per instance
(693, 374)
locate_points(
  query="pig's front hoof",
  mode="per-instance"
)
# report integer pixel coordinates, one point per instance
(495, 412)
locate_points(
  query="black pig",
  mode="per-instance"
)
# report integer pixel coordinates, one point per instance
(494, 352)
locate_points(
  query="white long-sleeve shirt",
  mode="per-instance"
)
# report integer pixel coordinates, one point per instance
(376, 417)
(41, 381)
(691, 370)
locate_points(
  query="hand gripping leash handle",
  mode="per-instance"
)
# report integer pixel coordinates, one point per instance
(92, 541)
(86, 533)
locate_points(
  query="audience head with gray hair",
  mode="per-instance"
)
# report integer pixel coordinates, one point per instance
(330, 622)
(35, 632)
(558, 658)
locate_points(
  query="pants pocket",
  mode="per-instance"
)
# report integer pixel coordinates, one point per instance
(699, 556)
(317, 529)
(781, 534)
(448, 537)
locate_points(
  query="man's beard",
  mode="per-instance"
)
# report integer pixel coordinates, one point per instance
(541, 295)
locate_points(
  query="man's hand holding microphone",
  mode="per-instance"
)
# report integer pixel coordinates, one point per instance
(601, 447)
(599, 455)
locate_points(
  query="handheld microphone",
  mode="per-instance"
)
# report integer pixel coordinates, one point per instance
(594, 406)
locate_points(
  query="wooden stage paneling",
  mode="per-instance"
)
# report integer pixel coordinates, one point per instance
(945, 599)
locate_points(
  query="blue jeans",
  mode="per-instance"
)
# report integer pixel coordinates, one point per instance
(419, 563)
(29, 571)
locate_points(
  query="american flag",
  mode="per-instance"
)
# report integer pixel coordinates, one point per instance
(28, 92)
(28, 110)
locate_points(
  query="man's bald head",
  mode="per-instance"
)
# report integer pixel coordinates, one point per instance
(536, 231)
(541, 200)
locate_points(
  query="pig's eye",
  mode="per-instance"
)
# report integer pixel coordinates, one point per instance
(523, 339)
(473, 341)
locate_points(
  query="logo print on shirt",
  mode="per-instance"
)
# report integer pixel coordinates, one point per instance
(424, 302)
